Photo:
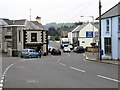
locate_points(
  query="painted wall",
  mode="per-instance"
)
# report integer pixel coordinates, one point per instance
(114, 37)
(82, 36)
(39, 34)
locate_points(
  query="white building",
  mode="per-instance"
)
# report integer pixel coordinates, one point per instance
(84, 35)
(110, 33)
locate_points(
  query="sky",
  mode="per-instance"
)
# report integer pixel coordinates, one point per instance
(59, 11)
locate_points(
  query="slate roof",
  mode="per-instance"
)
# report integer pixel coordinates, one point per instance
(9, 22)
(2, 22)
(112, 12)
(39, 25)
(19, 22)
(79, 27)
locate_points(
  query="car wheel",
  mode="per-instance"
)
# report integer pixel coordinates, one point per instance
(30, 56)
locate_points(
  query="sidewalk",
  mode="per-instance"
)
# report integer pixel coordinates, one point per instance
(94, 57)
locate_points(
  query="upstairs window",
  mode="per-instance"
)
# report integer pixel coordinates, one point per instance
(119, 24)
(19, 35)
(33, 37)
(107, 25)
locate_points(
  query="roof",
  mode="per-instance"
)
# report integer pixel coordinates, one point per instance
(112, 12)
(9, 22)
(39, 25)
(2, 22)
(19, 22)
(79, 27)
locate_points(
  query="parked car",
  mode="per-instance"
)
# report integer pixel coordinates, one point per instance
(66, 49)
(70, 46)
(74, 50)
(29, 53)
(55, 52)
(50, 49)
(80, 49)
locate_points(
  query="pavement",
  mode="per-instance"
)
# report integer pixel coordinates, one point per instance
(94, 57)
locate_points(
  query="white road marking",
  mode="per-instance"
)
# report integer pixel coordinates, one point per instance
(108, 78)
(2, 79)
(58, 60)
(62, 64)
(1, 85)
(77, 69)
(84, 54)
(68, 54)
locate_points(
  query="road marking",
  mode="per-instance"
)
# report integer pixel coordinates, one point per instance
(108, 78)
(1, 85)
(77, 69)
(62, 64)
(84, 54)
(58, 60)
(3, 76)
(68, 54)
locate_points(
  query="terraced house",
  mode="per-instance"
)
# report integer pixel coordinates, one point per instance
(110, 33)
(20, 34)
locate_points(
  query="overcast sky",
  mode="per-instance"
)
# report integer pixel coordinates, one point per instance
(58, 11)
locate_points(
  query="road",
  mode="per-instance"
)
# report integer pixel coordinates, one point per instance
(70, 70)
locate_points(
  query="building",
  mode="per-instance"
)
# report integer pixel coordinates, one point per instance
(110, 33)
(20, 34)
(85, 34)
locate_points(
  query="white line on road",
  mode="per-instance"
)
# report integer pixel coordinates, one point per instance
(77, 69)
(62, 64)
(84, 54)
(68, 54)
(108, 78)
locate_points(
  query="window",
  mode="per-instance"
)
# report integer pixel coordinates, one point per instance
(107, 25)
(19, 35)
(119, 24)
(8, 37)
(107, 46)
(33, 37)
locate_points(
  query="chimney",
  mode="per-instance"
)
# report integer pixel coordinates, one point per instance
(38, 19)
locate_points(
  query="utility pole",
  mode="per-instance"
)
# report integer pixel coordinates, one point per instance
(100, 56)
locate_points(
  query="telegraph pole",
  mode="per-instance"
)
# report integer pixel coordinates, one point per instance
(100, 56)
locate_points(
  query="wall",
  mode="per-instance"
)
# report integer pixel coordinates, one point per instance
(113, 34)
(19, 43)
(82, 36)
(39, 40)
(115, 38)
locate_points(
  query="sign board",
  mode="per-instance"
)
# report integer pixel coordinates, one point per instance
(89, 34)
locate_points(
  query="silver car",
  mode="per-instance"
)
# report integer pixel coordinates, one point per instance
(29, 53)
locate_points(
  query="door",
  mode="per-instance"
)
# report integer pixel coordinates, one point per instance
(119, 48)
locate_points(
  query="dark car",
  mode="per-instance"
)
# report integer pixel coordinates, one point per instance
(55, 52)
(80, 49)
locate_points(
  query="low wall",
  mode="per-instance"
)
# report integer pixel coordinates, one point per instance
(91, 49)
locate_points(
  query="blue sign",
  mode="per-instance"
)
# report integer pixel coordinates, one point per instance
(89, 34)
